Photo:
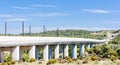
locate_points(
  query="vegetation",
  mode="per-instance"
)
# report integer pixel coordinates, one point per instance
(105, 51)
(25, 57)
(66, 33)
(116, 40)
(52, 61)
(8, 60)
(31, 60)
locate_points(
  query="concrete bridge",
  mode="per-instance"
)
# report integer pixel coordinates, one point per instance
(16, 44)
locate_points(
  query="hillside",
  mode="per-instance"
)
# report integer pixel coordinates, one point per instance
(69, 33)
(116, 40)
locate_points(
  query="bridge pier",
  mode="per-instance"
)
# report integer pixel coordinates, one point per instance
(91, 45)
(33, 52)
(46, 52)
(16, 53)
(88, 46)
(82, 49)
(74, 50)
(57, 51)
(66, 50)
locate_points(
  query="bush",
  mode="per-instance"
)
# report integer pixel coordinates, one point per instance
(7, 58)
(52, 61)
(13, 62)
(31, 60)
(74, 59)
(94, 57)
(67, 57)
(70, 61)
(4, 63)
(25, 57)
(113, 58)
(118, 52)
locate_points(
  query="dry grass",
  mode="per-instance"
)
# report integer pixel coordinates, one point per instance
(79, 62)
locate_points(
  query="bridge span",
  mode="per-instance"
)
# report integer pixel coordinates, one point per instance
(16, 44)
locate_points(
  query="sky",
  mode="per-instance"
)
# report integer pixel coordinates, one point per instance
(64, 14)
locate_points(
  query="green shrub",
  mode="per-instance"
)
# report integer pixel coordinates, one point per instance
(118, 52)
(13, 62)
(70, 61)
(52, 61)
(31, 60)
(7, 58)
(74, 59)
(25, 57)
(94, 57)
(4, 63)
(67, 57)
(113, 58)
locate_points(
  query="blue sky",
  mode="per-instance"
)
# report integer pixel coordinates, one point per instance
(65, 14)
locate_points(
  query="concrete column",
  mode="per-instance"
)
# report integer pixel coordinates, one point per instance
(33, 52)
(91, 45)
(65, 50)
(50, 52)
(88, 46)
(16, 53)
(74, 50)
(45, 52)
(57, 51)
(82, 49)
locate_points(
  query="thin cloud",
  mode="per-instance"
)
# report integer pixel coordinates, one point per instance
(50, 14)
(16, 19)
(43, 5)
(22, 8)
(97, 11)
(5, 15)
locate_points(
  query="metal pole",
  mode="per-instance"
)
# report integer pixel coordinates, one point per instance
(29, 29)
(43, 30)
(5, 28)
(46, 31)
(22, 28)
(57, 32)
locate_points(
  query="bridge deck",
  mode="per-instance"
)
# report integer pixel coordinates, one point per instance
(27, 40)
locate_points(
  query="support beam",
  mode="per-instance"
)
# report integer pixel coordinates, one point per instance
(65, 50)
(45, 52)
(57, 51)
(33, 52)
(16, 53)
(82, 49)
(88, 46)
(74, 50)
